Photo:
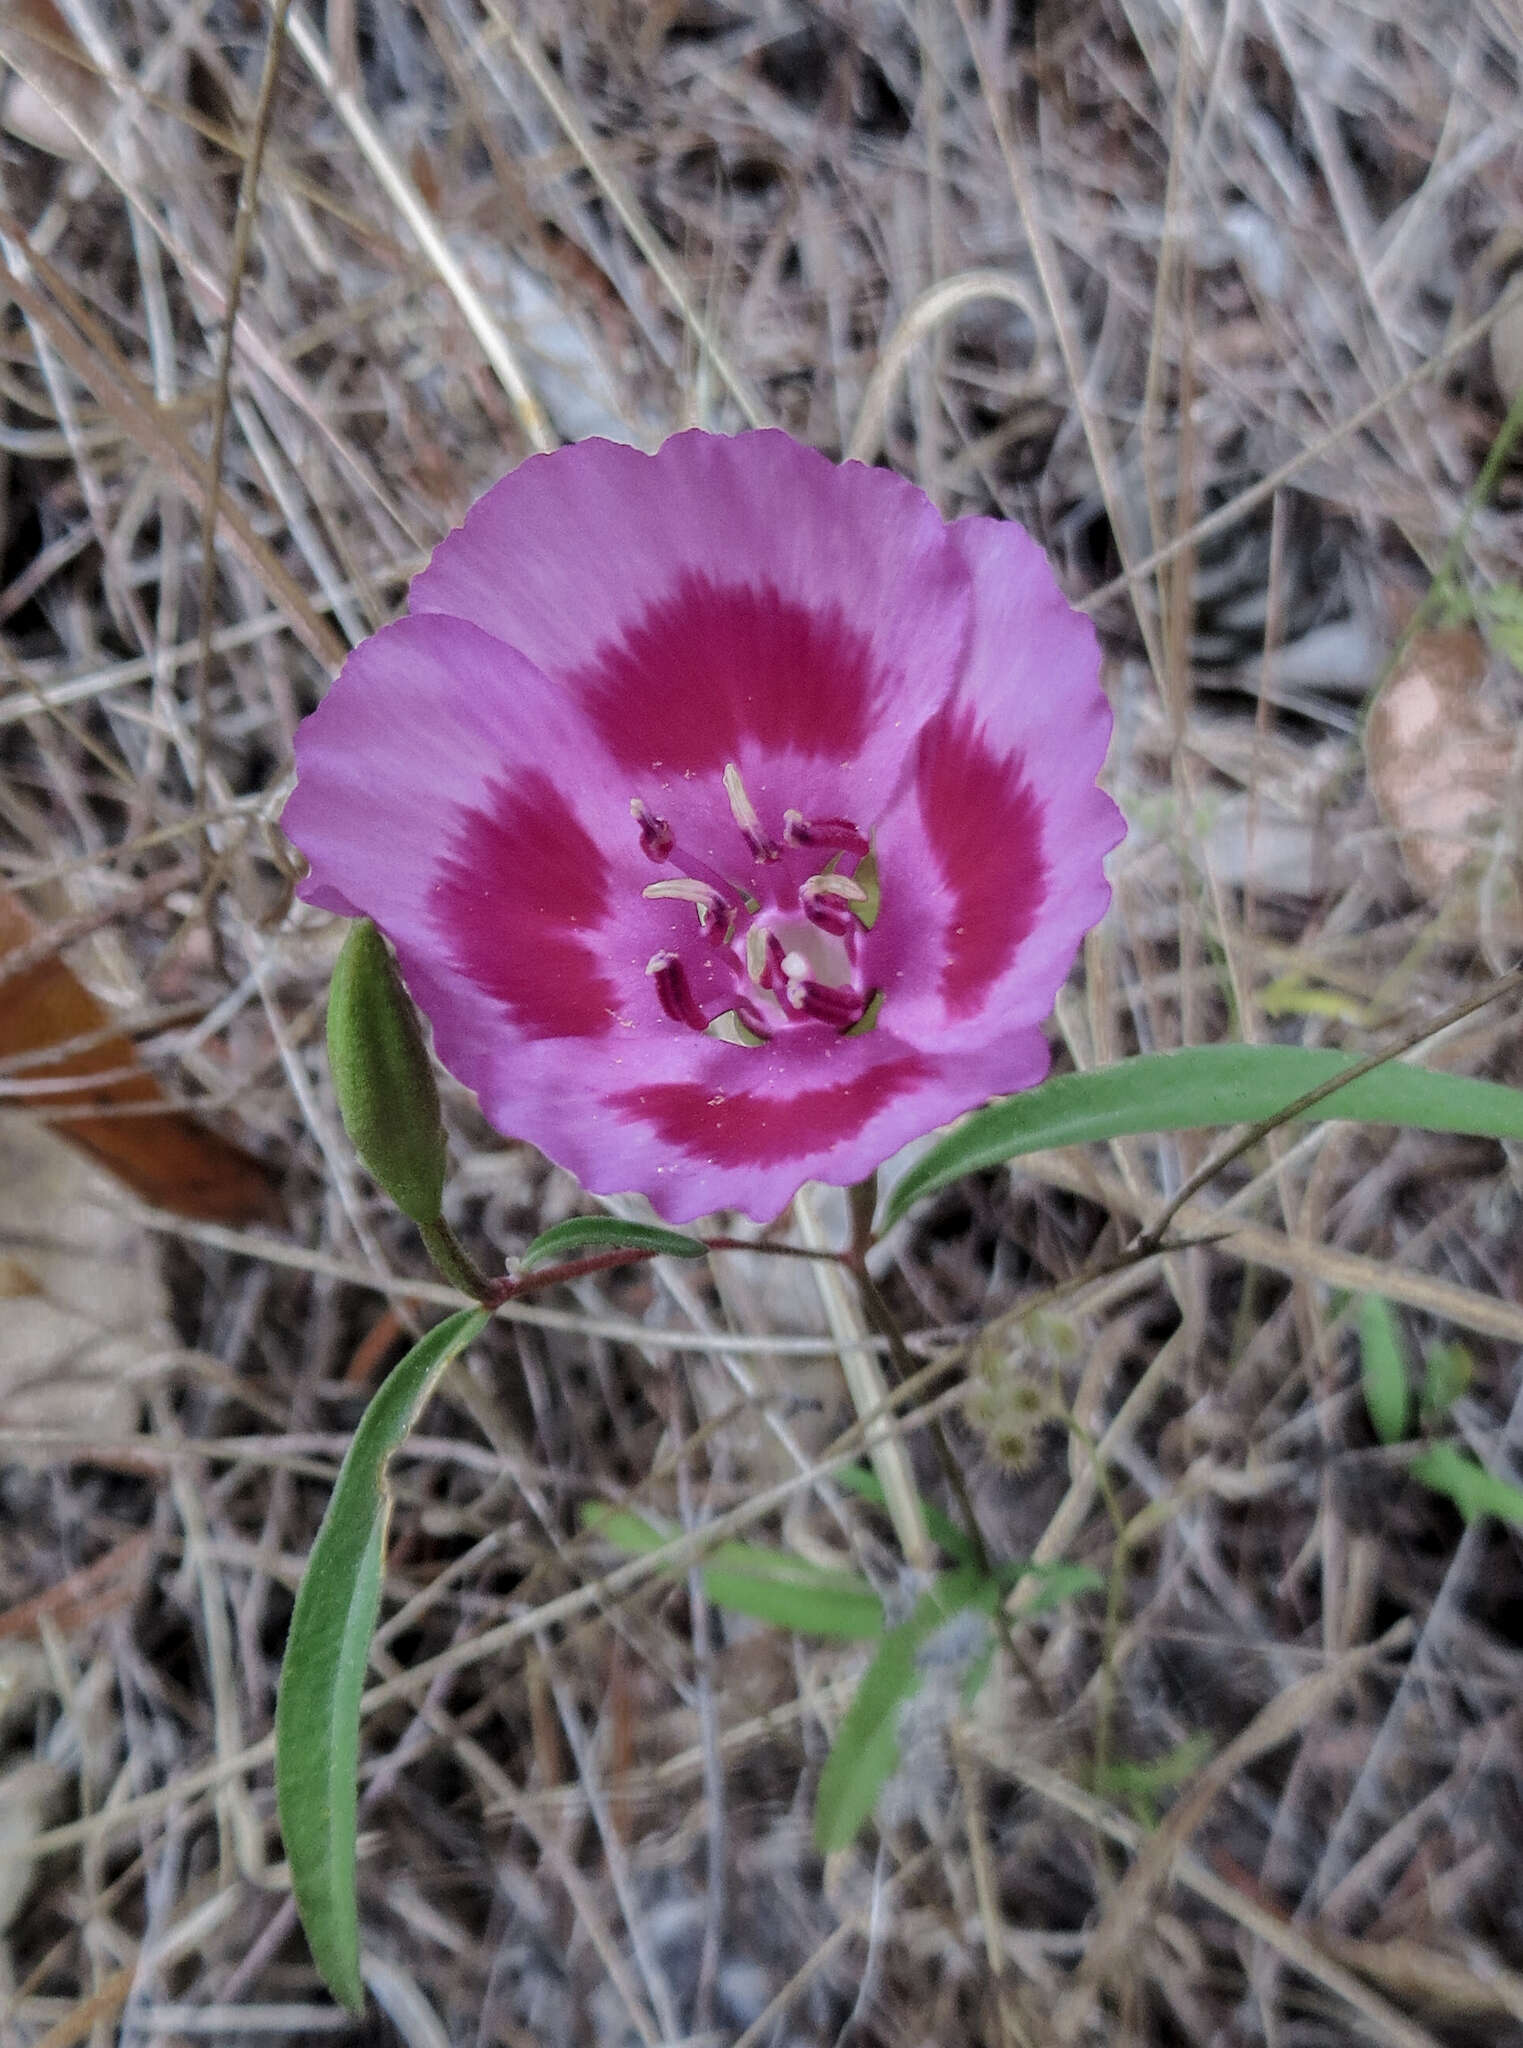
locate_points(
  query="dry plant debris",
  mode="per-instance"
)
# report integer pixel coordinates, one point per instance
(1200, 293)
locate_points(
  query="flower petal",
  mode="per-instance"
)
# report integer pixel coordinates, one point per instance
(698, 1125)
(728, 599)
(431, 796)
(991, 854)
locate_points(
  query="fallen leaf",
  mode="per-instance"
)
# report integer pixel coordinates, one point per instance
(165, 1156)
(1439, 755)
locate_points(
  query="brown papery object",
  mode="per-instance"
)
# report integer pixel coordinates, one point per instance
(164, 1156)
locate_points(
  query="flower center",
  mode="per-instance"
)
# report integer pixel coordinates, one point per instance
(782, 947)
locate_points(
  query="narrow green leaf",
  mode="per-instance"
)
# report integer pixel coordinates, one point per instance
(866, 1748)
(770, 1585)
(1203, 1086)
(1447, 1372)
(866, 1485)
(580, 1235)
(1470, 1486)
(1502, 610)
(1059, 1582)
(845, 1614)
(623, 1529)
(383, 1077)
(1383, 1370)
(317, 1711)
(1140, 1783)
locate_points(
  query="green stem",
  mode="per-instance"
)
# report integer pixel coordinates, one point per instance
(454, 1263)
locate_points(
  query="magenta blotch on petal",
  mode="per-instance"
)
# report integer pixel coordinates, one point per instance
(733, 817)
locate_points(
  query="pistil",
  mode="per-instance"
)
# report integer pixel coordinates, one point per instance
(656, 837)
(797, 956)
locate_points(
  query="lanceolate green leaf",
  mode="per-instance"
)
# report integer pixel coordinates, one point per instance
(1195, 1089)
(317, 1712)
(866, 1485)
(1383, 1370)
(769, 1585)
(1473, 1489)
(866, 1748)
(848, 1613)
(579, 1236)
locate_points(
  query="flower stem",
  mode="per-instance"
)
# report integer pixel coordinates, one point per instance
(454, 1263)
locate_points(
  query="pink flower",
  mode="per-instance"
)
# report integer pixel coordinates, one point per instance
(733, 816)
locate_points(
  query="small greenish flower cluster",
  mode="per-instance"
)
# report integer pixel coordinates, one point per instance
(1015, 1385)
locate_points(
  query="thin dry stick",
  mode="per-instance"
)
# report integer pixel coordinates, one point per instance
(243, 236)
(1227, 516)
(98, 366)
(1055, 291)
(529, 56)
(404, 195)
(938, 302)
(1381, 2019)
(1286, 1716)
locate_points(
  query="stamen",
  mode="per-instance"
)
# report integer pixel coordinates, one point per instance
(832, 885)
(827, 901)
(841, 1007)
(710, 905)
(743, 811)
(656, 837)
(676, 997)
(830, 915)
(801, 831)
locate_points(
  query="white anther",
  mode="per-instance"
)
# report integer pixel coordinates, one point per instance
(743, 811)
(706, 901)
(840, 886)
(796, 967)
(659, 962)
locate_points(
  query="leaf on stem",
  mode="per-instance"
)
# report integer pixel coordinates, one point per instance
(866, 1485)
(1383, 1370)
(1196, 1089)
(580, 1236)
(1473, 1489)
(317, 1711)
(865, 1753)
(769, 1585)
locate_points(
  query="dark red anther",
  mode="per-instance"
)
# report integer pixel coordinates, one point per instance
(831, 913)
(676, 997)
(841, 1007)
(840, 832)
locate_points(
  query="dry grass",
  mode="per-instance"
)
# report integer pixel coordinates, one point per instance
(1190, 287)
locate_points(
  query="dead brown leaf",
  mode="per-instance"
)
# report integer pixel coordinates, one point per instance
(164, 1156)
(1438, 755)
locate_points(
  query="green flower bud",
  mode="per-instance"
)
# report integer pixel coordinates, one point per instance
(387, 1095)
